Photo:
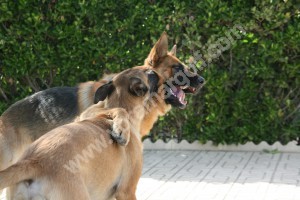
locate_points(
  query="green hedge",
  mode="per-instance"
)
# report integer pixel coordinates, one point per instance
(252, 91)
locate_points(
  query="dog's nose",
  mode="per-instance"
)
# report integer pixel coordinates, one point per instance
(201, 80)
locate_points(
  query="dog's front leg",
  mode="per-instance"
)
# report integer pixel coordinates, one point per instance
(127, 195)
(121, 124)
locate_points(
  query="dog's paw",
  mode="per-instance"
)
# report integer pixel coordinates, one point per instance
(121, 131)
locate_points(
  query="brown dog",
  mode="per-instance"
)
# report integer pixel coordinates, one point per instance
(45, 170)
(30, 118)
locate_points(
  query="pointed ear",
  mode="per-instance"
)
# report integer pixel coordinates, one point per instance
(103, 92)
(173, 50)
(137, 87)
(159, 50)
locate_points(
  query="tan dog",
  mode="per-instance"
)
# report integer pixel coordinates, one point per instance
(111, 172)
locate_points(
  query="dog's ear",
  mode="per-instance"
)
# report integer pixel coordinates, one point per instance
(137, 87)
(173, 50)
(103, 92)
(159, 50)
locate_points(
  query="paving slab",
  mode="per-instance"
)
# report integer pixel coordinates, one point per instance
(219, 175)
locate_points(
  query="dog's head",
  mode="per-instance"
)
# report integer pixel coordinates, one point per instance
(130, 87)
(178, 78)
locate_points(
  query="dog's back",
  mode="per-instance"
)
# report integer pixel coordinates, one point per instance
(29, 118)
(56, 158)
(45, 109)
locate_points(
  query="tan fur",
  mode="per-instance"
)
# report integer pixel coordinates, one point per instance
(113, 172)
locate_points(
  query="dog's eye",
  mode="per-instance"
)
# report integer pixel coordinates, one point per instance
(177, 68)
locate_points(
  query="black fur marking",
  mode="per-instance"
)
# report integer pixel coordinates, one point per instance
(104, 91)
(195, 80)
(48, 108)
(114, 188)
(29, 181)
(153, 80)
(180, 73)
(118, 138)
(178, 67)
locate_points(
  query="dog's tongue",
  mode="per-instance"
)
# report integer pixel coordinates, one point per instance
(180, 95)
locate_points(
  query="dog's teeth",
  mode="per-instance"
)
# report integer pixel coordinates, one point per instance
(184, 87)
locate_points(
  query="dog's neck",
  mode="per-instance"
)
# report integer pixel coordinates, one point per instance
(136, 116)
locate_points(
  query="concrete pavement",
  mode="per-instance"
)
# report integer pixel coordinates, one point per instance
(219, 175)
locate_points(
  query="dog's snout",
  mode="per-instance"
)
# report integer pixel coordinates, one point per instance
(201, 80)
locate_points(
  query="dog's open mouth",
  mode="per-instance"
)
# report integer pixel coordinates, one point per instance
(176, 95)
(179, 94)
(188, 89)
